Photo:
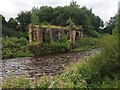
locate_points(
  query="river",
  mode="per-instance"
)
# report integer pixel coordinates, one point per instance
(36, 67)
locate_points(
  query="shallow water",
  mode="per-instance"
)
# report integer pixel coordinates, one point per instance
(36, 67)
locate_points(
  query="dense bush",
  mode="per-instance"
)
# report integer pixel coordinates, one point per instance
(86, 43)
(14, 47)
(13, 33)
(110, 54)
(47, 48)
(60, 46)
(93, 33)
(20, 82)
(104, 65)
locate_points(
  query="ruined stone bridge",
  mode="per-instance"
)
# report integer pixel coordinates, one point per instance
(54, 33)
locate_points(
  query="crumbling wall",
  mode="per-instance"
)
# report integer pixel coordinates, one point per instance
(39, 34)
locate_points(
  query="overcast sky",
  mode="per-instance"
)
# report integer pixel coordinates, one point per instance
(103, 8)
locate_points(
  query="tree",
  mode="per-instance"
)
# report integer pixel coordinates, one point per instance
(3, 20)
(74, 4)
(70, 21)
(34, 16)
(24, 18)
(59, 16)
(12, 23)
(110, 25)
(45, 14)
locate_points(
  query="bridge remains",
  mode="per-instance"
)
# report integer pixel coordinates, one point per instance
(39, 33)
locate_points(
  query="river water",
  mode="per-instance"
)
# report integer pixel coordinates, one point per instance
(36, 67)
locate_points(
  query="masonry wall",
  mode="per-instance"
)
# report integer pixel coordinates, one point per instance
(39, 34)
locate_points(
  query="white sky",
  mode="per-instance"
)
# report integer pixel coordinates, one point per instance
(103, 8)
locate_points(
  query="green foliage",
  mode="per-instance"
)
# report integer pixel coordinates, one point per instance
(111, 83)
(11, 29)
(100, 71)
(86, 43)
(12, 23)
(46, 14)
(12, 32)
(111, 24)
(48, 26)
(7, 31)
(34, 16)
(54, 47)
(3, 19)
(93, 33)
(60, 16)
(105, 64)
(111, 53)
(60, 46)
(115, 31)
(24, 18)
(14, 47)
(56, 16)
(17, 83)
(70, 21)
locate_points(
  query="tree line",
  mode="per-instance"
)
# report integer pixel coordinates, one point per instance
(59, 16)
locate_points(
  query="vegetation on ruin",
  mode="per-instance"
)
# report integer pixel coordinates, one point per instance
(60, 46)
(51, 26)
(14, 47)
